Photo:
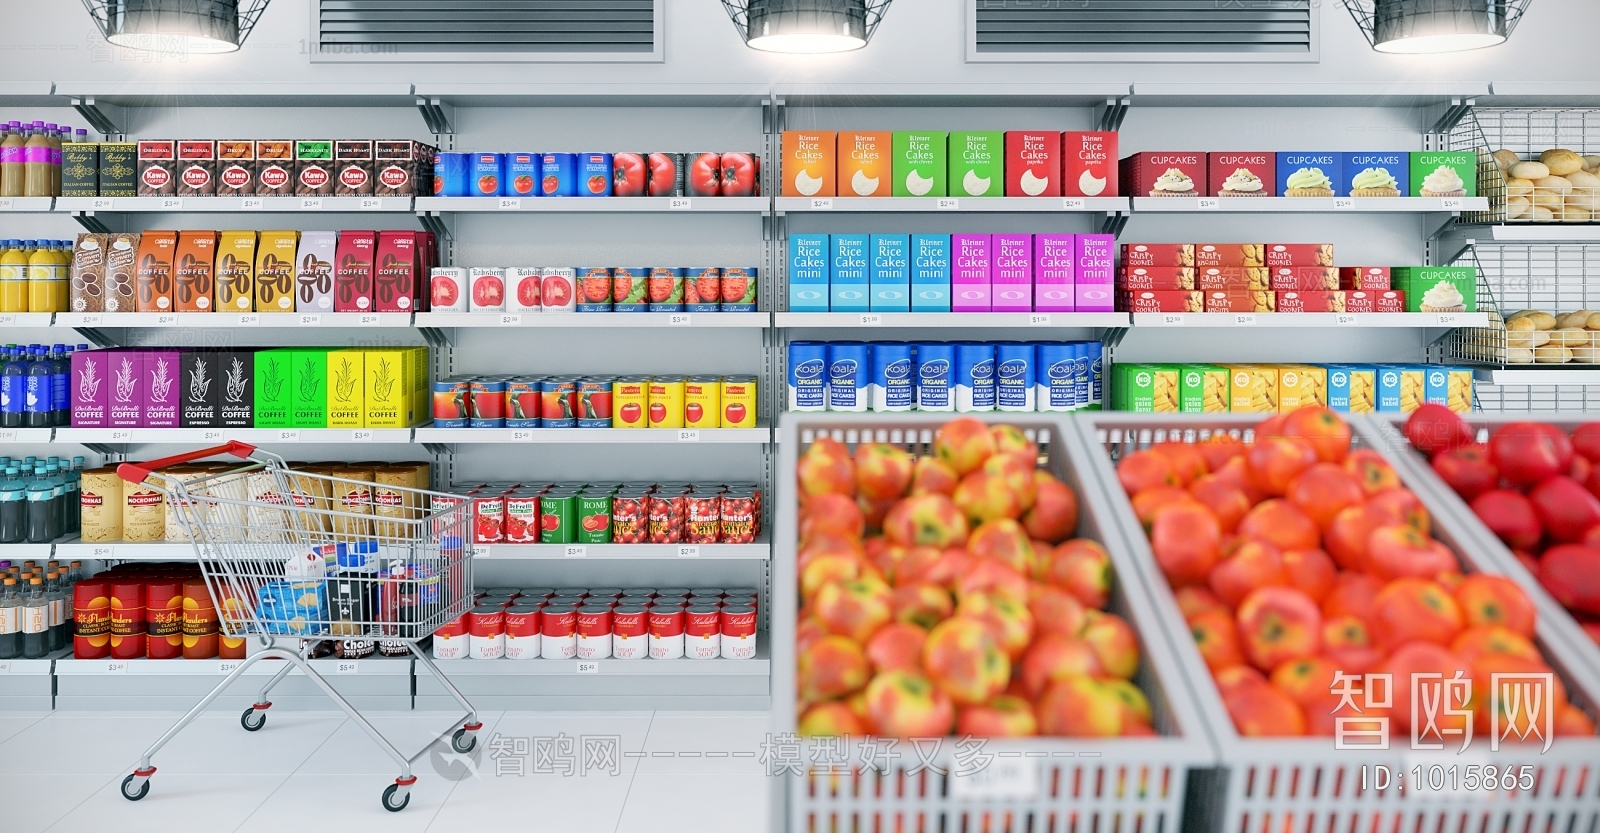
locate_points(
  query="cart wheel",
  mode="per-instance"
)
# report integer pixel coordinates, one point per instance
(252, 720)
(463, 741)
(389, 802)
(144, 787)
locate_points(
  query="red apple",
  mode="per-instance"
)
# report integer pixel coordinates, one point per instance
(1467, 470)
(1528, 452)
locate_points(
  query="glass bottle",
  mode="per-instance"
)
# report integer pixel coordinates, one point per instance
(13, 175)
(58, 618)
(53, 133)
(10, 620)
(35, 621)
(13, 277)
(13, 507)
(36, 160)
(60, 390)
(40, 511)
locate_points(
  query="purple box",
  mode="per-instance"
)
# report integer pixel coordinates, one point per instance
(161, 391)
(1012, 281)
(1094, 297)
(972, 261)
(1096, 259)
(1054, 272)
(126, 406)
(91, 388)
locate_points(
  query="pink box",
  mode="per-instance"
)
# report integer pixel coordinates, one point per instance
(162, 395)
(1094, 297)
(91, 388)
(1054, 272)
(125, 408)
(1096, 259)
(1012, 279)
(973, 262)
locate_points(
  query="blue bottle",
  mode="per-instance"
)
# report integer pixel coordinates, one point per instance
(37, 393)
(60, 373)
(74, 504)
(13, 388)
(13, 507)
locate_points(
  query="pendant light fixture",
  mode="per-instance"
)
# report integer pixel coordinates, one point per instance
(180, 26)
(806, 26)
(1429, 26)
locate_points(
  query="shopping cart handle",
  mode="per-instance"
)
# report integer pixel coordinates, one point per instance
(138, 472)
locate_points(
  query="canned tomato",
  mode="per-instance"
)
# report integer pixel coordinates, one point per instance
(666, 402)
(738, 400)
(630, 402)
(702, 402)
(452, 174)
(522, 518)
(556, 289)
(628, 287)
(594, 518)
(741, 174)
(672, 592)
(702, 519)
(703, 175)
(593, 407)
(702, 289)
(558, 403)
(666, 175)
(486, 626)
(451, 640)
(630, 515)
(666, 632)
(739, 289)
(488, 171)
(665, 289)
(522, 631)
(738, 515)
(594, 174)
(629, 172)
(593, 284)
(488, 518)
(667, 516)
(451, 408)
(488, 403)
(594, 632)
(522, 403)
(558, 175)
(558, 518)
(738, 629)
(522, 175)
(702, 629)
(524, 288)
(630, 629)
(558, 631)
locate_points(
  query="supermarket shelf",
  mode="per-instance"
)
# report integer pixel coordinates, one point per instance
(760, 550)
(33, 552)
(26, 205)
(223, 205)
(1554, 233)
(26, 667)
(918, 205)
(218, 435)
(596, 319)
(120, 551)
(1310, 319)
(759, 434)
(26, 319)
(758, 666)
(1546, 375)
(25, 435)
(232, 319)
(585, 205)
(370, 666)
(950, 319)
(1309, 205)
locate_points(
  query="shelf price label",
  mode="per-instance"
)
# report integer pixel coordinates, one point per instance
(102, 204)
(103, 553)
(116, 668)
(211, 435)
(89, 320)
(510, 205)
(288, 436)
(1073, 204)
(511, 320)
(167, 320)
(249, 319)
(518, 436)
(5, 667)
(1452, 204)
(370, 319)
(588, 666)
(574, 551)
(8, 320)
(226, 667)
(1449, 320)
(1345, 320)
(1208, 204)
(312, 320)
(688, 552)
(122, 436)
(1172, 319)
(361, 436)
(871, 320)
(311, 204)
(371, 203)
(252, 204)
(679, 319)
(347, 667)
(1039, 320)
(822, 205)
(947, 204)
(171, 204)
(1244, 320)
(689, 435)
(480, 550)
(9, 435)
(1343, 203)
(7, 205)
(679, 204)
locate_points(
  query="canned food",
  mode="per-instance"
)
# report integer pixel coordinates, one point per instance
(487, 629)
(702, 629)
(522, 403)
(698, 593)
(741, 174)
(703, 519)
(665, 289)
(629, 173)
(580, 592)
(452, 174)
(630, 402)
(667, 516)
(447, 289)
(558, 174)
(488, 403)
(594, 174)
(488, 518)
(702, 402)
(488, 171)
(524, 289)
(558, 631)
(936, 382)
(630, 517)
(672, 592)
(974, 372)
(1014, 373)
(594, 289)
(702, 289)
(738, 402)
(451, 404)
(452, 640)
(1055, 378)
(647, 592)
(739, 288)
(890, 387)
(558, 403)
(666, 402)
(522, 518)
(630, 629)
(666, 175)
(557, 289)
(537, 592)
(594, 403)
(487, 288)
(738, 516)
(522, 631)
(703, 174)
(628, 289)
(594, 518)
(594, 632)
(738, 630)
(522, 175)
(666, 632)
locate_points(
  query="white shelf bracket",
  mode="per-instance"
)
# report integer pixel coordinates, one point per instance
(436, 114)
(1452, 116)
(1110, 114)
(97, 117)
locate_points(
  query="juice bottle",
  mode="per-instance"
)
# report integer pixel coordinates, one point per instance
(54, 132)
(63, 279)
(36, 160)
(41, 278)
(11, 169)
(13, 278)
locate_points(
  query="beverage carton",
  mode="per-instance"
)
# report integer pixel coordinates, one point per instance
(1033, 163)
(1234, 174)
(1011, 282)
(930, 272)
(91, 388)
(345, 391)
(308, 393)
(313, 274)
(153, 279)
(1158, 254)
(1310, 174)
(197, 168)
(394, 272)
(1444, 173)
(236, 395)
(236, 261)
(807, 167)
(1054, 272)
(1381, 174)
(971, 272)
(890, 272)
(274, 387)
(851, 278)
(236, 167)
(864, 168)
(125, 409)
(200, 392)
(920, 164)
(274, 275)
(1089, 164)
(352, 275)
(194, 271)
(810, 270)
(977, 164)
(163, 389)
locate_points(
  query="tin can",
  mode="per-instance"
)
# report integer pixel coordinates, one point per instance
(630, 515)
(524, 289)
(667, 516)
(706, 595)
(594, 518)
(630, 174)
(890, 388)
(1094, 364)
(1015, 367)
(739, 285)
(558, 400)
(702, 402)
(447, 289)
(628, 289)
(974, 372)
(451, 640)
(741, 174)
(666, 402)
(737, 512)
(594, 403)
(666, 632)
(702, 289)
(808, 376)
(702, 518)
(451, 407)
(521, 175)
(537, 592)
(488, 518)
(702, 176)
(558, 520)
(849, 366)
(646, 592)
(558, 175)
(666, 175)
(702, 632)
(522, 518)
(594, 174)
(738, 629)
(581, 592)
(594, 289)
(738, 396)
(630, 632)
(732, 593)
(675, 593)
(488, 172)
(487, 289)
(664, 289)
(488, 403)
(936, 381)
(605, 593)
(557, 292)
(630, 402)
(452, 174)
(594, 632)
(558, 631)
(487, 628)
(522, 403)
(522, 631)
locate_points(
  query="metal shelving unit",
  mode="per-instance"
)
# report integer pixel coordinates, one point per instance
(1311, 319)
(233, 205)
(594, 205)
(973, 205)
(1309, 205)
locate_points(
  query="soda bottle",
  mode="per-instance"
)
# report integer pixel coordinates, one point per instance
(13, 277)
(74, 503)
(40, 511)
(60, 378)
(35, 621)
(36, 161)
(13, 517)
(10, 620)
(41, 277)
(59, 501)
(37, 412)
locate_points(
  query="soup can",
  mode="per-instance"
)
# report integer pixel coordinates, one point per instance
(594, 402)
(581, 592)
(738, 517)
(451, 640)
(522, 631)
(559, 175)
(701, 594)
(452, 174)
(540, 593)
(487, 629)
(558, 631)
(666, 632)
(666, 402)
(594, 631)
(702, 632)
(630, 630)
(738, 630)
(628, 289)
(702, 289)
(672, 592)
(702, 174)
(741, 174)
(645, 592)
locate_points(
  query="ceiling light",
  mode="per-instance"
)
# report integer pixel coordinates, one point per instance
(1431, 26)
(806, 26)
(177, 26)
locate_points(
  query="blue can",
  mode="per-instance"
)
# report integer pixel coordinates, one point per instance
(891, 388)
(664, 289)
(558, 175)
(702, 295)
(594, 174)
(1014, 369)
(974, 377)
(452, 174)
(561, 392)
(488, 172)
(1094, 368)
(849, 373)
(593, 285)
(450, 403)
(629, 289)
(733, 300)
(808, 376)
(936, 377)
(522, 175)
(1056, 376)
(488, 394)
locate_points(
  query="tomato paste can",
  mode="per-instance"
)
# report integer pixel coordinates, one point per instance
(738, 401)
(450, 403)
(672, 593)
(594, 402)
(524, 289)
(488, 517)
(738, 629)
(522, 402)
(594, 174)
(594, 631)
(702, 289)
(488, 403)
(666, 402)
(558, 175)
(738, 510)
(556, 290)
(630, 515)
(558, 518)
(630, 632)
(667, 516)
(488, 171)
(452, 174)
(703, 175)
(522, 631)
(702, 519)
(487, 626)
(666, 175)
(666, 632)
(558, 631)
(628, 287)
(739, 288)
(451, 640)
(594, 517)
(629, 174)
(702, 629)
(665, 289)
(486, 287)
(741, 174)
(558, 403)
(594, 289)
(522, 518)
(702, 402)
(521, 175)
(630, 401)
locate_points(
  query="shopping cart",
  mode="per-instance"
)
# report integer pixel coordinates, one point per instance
(293, 559)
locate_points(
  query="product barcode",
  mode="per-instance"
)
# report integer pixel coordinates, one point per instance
(1341, 203)
(873, 320)
(371, 204)
(510, 320)
(252, 204)
(361, 436)
(171, 204)
(689, 436)
(1172, 320)
(311, 205)
(1208, 204)
(347, 667)
(571, 551)
(688, 552)
(822, 205)
(310, 320)
(588, 667)
(678, 319)
(288, 436)
(1244, 321)
(511, 205)
(1073, 205)
(1038, 320)
(522, 436)
(679, 204)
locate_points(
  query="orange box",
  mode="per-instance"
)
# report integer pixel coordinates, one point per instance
(1299, 254)
(1156, 277)
(153, 271)
(1305, 278)
(863, 164)
(194, 271)
(1364, 277)
(1231, 277)
(1312, 301)
(1158, 254)
(1241, 300)
(807, 165)
(1229, 254)
(1162, 301)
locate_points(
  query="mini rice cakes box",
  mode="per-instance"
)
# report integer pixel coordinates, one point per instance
(1436, 173)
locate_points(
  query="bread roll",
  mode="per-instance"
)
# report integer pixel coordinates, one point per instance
(1582, 179)
(1518, 207)
(1519, 355)
(1553, 183)
(1594, 322)
(1572, 319)
(1541, 214)
(1569, 337)
(1576, 214)
(1528, 339)
(1551, 354)
(1561, 161)
(1505, 158)
(1519, 187)
(1591, 163)
(1530, 170)
(1542, 320)
(1588, 200)
(1549, 198)
(1587, 355)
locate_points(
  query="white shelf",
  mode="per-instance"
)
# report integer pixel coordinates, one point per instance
(25, 435)
(1311, 319)
(26, 667)
(917, 205)
(594, 319)
(120, 551)
(232, 319)
(26, 205)
(26, 319)
(241, 205)
(759, 666)
(220, 435)
(369, 666)
(1553, 374)
(584, 205)
(23, 552)
(1020, 320)
(1308, 205)
(760, 550)
(1552, 232)
(759, 434)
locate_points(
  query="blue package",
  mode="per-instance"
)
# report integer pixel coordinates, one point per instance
(452, 174)
(558, 175)
(890, 386)
(293, 607)
(1292, 163)
(1388, 383)
(849, 371)
(522, 175)
(930, 273)
(1093, 354)
(974, 377)
(1393, 164)
(488, 172)
(809, 271)
(850, 280)
(808, 377)
(890, 274)
(1014, 371)
(594, 174)
(1055, 376)
(1436, 385)
(935, 377)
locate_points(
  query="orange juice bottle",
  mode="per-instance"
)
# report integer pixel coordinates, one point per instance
(807, 166)
(13, 277)
(863, 169)
(41, 277)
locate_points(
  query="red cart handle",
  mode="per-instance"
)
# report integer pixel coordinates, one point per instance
(138, 472)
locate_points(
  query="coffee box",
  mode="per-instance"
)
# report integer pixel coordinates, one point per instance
(1158, 254)
(121, 273)
(890, 277)
(158, 168)
(386, 387)
(1054, 272)
(1364, 277)
(1304, 278)
(1375, 174)
(1162, 301)
(977, 165)
(236, 397)
(394, 273)
(197, 168)
(91, 388)
(346, 393)
(1166, 174)
(971, 272)
(86, 292)
(274, 387)
(275, 272)
(849, 288)
(1241, 300)
(807, 167)
(236, 261)
(119, 169)
(199, 389)
(1235, 174)
(80, 169)
(125, 407)
(1229, 254)
(1444, 173)
(864, 167)
(1298, 254)
(163, 389)
(1033, 163)
(920, 164)
(353, 164)
(930, 273)
(1089, 164)
(308, 396)
(274, 167)
(352, 275)
(1312, 301)
(396, 164)
(194, 271)
(314, 172)
(313, 273)
(236, 168)
(1156, 277)
(153, 275)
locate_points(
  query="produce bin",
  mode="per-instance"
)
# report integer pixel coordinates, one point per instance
(1037, 784)
(1278, 785)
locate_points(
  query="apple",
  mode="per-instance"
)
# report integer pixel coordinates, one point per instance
(1282, 524)
(931, 520)
(1144, 469)
(1251, 565)
(1226, 501)
(1003, 717)
(1324, 490)
(964, 660)
(825, 466)
(1053, 657)
(1236, 678)
(989, 575)
(1264, 711)
(1528, 452)
(1275, 461)
(1510, 516)
(897, 645)
(826, 569)
(1327, 433)
(1372, 471)
(932, 475)
(1216, 637)
(1187, 462)
(1079, 706)
(1056, 611)
(1008, 620)
(1565, 508)
(908, 705)
(921, 603)
(830, 719)
(832, 666)
(1010, 438)
(1571, 572)
(983, 495)
(1475, 642)
(1311, 572)
(1398, 550)
(1193, 601)
(1017, 471)
(1135, 706)
(883, 471)
(1004, 540)
(1114, 641)
(1185, 539)
(964, 445)
(1277, 624)
(856, 609)
(1083, 568)
(831, 512)
(1306, 680)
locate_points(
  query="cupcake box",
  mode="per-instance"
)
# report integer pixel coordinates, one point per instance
(1310, 174)
(1251, 174)
(1089, 164)
(1376, 174)
(1437, 288)
(1166, 174)
(1444, 173)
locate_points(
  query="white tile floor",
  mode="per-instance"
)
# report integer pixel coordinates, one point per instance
(317, 771)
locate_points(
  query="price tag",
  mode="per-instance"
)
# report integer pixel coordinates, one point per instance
(480, 550)
(574, 551)
(586, 666)
(1343, 203)
(679, 204)
(8, 320)
(822, 205)
(1039, 320)
(171, 204)
(288, 436)
(346, 667)
(211, 435)
(249, 319)
(1208, 204)
(5, 667)
(688, 552)
(1171, 319)
(122, 436)
(511, 205)
(1449, 204)
(511, 319)
(226, 666)
(689, 435)
(1449, 320)
(1342, 320)
(1244, 320)
(1070, 204)
(311, 320)
(102, 204)
(1009, 778)
(311, 204)
(679, 319)
(168, 320)
(521, 436)
(371, 204)
(252, 204)
(116, 668)
(7, 205)
(871, 320)
(89, 320)
(9, 436)
(947, 204)
(370, 319)
(103, 553)
(361, 436)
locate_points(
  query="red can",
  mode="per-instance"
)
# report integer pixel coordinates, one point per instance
(522, 631)
(703, 524)
(449, 524)
(163, 614)
(666, 175)
(703, 175)
(667, 514)
(738, 629)
(559, 631)
(594, 631)
(702, 627)
(488, 518)
(486, 626)
(630, 514)
(666, 632)
(630, 630)
(488, 399)
(741, 174)
(629, 172)
(737, 516)
(451, 641)
(91, 612)
(127, 619)
(522, 518)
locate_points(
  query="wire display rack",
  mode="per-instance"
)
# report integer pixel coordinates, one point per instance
(1530, 132)
(1555, 278)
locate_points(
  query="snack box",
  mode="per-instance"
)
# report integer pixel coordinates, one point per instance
(1444, 173)
(810, 270)
(1301, 386)
(1376, 300)
(1203, 389)
(1054, 272)
(1166, 174)
(1158, 254)
(864, 167)
(1298, 254)
(1311, 301)
(807, 166)
(1229, 254)
(1376, 174)
(977, 164)
(1232, 278)
(1438, 288)
(1310, 174)
(1033, 163)
(920, 164)
(1305, 278)
(1089, 164)
(1242, 174)
(1156, 277)
(1241, 300)
(1252, 388)
(1162, 301)
(1365, 277)
(1145, 388)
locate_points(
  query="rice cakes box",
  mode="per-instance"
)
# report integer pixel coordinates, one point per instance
(919, 164)
(1089, 164)
(1033, 163)
(864, 167)
(977, 164)
(807, 166)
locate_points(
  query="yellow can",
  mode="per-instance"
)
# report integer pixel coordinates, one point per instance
(739, 402)
(666, 402)
(630, 402)
(702, 402)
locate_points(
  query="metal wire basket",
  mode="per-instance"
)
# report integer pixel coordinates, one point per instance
(1529, 132)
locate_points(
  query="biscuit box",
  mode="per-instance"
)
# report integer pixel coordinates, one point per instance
(1242, 174)
(1203, 389)
(1304, 278)
(1311, 301)
(1364, 277)
(1241, 300)
(1158, 254)
(1298, 254)
(1162, 301)
(1252, 389)
(1231, 277)
(1229, 254)
(1156, 277)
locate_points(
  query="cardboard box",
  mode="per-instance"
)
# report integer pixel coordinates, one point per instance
(1232, 278)
(864, 168)
(236, 269)
(1166, 174)
(158, 168)
(1311, 301)
(398, 165)
(157, 252)
(1033, 163)
(1158, 254)
(1229, 255)
(125, 408)
(1242, 174)
(977, 164)
(971, 272)
(921, 164)
(308, 397)
(1203, 389)
(1304, 278)
(1054, 272)
(890, 275)
(1438, 288)
(1162, 301)
(352, 274)
(122, 270)
(1094, 297)
(274, 168)
(1310, 174)
(163, 395)
(1444, 173)
(1392, 300)
(1388, 388)
(1436, 386)
(1156, 277)
(194, 271)
(197, 168)
(1241, 300)
(1298, 254)
(849, 289)
(274, 387)
(1089, 164)
(91, 387)
(930, 272)
(345, 386)
(1011, 281)
(86, 291)
(200, 390)
(807, 166)
(810, 270)
(1352, 388)
(396, 270)
(275, 270)
(119, 169)
(1413, 382)
(353, 162)
(1365, 277)
(313, 274)
(236, 402)
(80, 169)
(314, 173)
(1146, 388)
(1301, 386)
(1096, 273)
(1458, 394)
(1375, 174)
(236, 168)
(387, 387)
(1253, 388)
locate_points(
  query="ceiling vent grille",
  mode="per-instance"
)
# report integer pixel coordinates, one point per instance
(1142, 30)
(489, 30)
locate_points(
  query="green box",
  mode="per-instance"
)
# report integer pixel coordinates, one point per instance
(119, 169)
(977, 164)
(274, 384)
(80, 169)
(1196, 382)
(309, 394)
(923, 156)
(1441, 169)
(1435, 288)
